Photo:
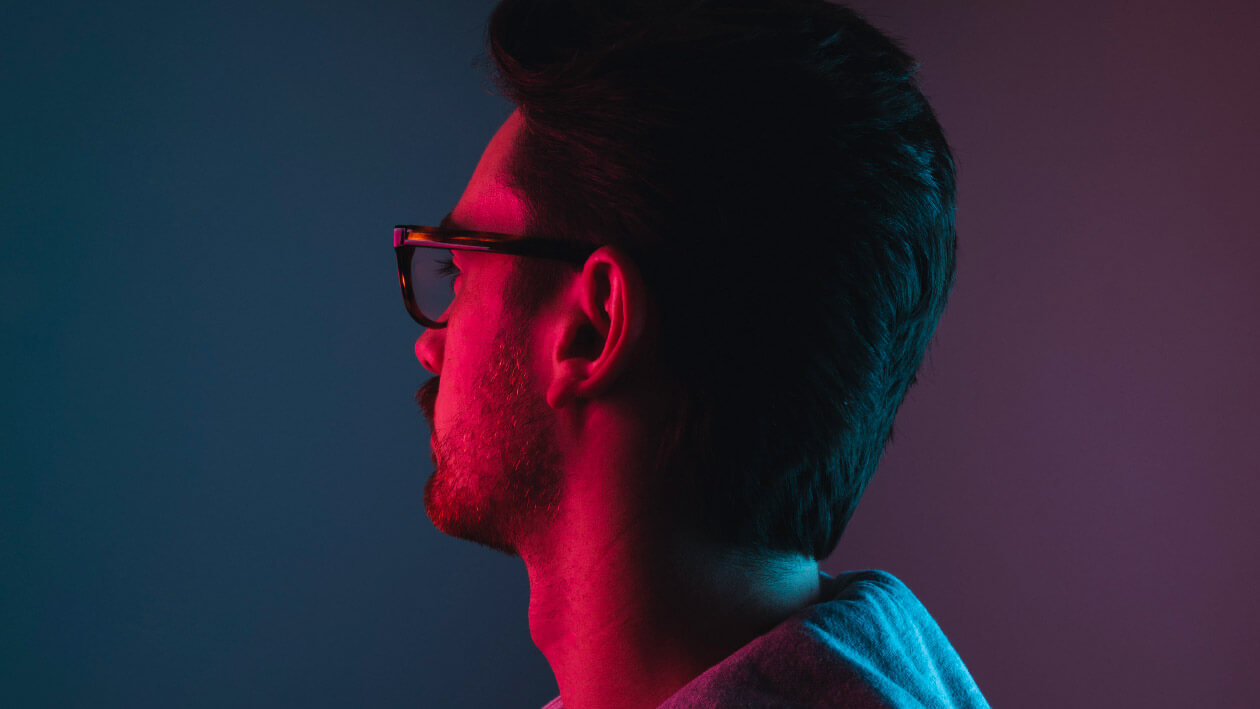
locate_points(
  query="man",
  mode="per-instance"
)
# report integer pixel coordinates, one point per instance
(692, 277)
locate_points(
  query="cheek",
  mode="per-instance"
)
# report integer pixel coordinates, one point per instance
(461, 366)
(473, 339)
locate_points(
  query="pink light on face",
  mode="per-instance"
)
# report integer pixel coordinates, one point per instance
(489, 203)
(496, 469)
(496, 475)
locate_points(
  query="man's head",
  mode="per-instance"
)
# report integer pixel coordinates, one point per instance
(786, 193)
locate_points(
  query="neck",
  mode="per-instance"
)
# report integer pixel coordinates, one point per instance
(627, 609)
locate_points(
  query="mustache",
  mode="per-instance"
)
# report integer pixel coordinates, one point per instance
(426, 397)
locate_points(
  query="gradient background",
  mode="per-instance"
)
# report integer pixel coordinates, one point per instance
(212, 464)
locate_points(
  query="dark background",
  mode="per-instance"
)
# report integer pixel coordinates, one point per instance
(212, 463)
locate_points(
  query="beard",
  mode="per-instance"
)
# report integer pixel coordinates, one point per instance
(496, 469)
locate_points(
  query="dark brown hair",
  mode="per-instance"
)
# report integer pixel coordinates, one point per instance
(786, 189)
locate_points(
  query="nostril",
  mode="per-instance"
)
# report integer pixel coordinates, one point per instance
(429, 351)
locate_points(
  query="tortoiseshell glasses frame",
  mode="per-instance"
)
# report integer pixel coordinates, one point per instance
(408, 238)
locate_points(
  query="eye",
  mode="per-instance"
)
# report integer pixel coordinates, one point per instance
(447, 267)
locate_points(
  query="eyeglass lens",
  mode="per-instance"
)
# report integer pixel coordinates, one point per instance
(433, 280)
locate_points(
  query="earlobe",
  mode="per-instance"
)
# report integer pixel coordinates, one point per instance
(577, 348)
(563, 385)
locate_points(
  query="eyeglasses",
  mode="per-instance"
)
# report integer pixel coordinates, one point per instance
(425, 269)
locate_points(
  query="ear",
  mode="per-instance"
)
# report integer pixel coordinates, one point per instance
(602, 330)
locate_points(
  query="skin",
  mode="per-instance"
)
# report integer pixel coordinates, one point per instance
(540, 426)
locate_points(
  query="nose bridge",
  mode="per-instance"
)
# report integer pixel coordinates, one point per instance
(429, 347)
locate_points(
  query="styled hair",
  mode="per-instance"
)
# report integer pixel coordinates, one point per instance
(776, 173)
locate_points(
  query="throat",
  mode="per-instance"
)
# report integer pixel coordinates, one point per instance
(639, 632)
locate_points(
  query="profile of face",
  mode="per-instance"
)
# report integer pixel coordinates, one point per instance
(496, 468)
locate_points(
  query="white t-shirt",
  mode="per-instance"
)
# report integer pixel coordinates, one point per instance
(871, 645)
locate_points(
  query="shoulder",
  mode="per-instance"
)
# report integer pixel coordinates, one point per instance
(869, 642)
(861, 598)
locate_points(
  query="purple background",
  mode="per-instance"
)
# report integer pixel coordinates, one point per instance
(212, 465)
(1073, 484)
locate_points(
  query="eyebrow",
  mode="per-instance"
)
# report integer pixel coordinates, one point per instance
(449, 223)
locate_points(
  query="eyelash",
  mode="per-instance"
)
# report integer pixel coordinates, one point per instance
(447, 267)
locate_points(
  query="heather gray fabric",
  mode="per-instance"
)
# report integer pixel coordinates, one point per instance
(872, 645)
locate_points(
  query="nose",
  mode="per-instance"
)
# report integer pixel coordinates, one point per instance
(429, 348)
